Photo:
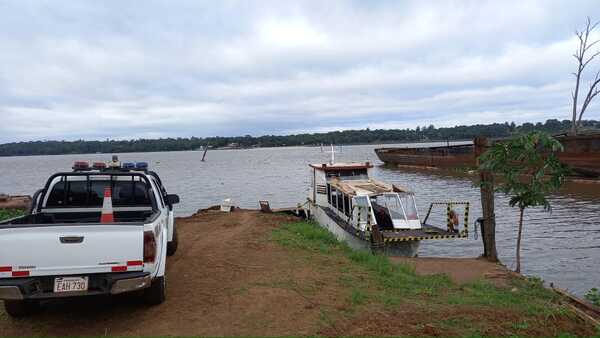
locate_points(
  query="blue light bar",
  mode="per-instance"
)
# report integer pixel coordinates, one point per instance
(141, 165)
(128, 165)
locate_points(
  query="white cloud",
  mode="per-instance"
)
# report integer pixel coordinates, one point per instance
(114, 69)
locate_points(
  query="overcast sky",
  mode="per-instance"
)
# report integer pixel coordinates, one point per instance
(129, 69)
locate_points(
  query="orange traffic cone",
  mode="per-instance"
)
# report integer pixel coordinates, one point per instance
(107, 209)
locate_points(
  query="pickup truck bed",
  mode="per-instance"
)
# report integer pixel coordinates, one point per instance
(77, 217)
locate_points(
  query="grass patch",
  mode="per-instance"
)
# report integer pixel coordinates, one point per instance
(526, 296)
(392, 284)
(307, 236)
(10, 213)
(358, 297)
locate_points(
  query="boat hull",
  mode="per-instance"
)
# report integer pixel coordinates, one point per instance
(442, 157)
(402, 249)
(581, 154)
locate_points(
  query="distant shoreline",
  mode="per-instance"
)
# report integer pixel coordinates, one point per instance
(245, 148)
(346, 137)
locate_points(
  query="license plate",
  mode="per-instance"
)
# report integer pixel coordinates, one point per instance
(70, 284)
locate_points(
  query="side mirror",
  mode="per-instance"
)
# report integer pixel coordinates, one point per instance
(172, 199)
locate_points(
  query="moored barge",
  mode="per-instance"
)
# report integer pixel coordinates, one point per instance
(581, 153)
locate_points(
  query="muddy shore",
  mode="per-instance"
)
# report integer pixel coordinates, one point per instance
(230, 277)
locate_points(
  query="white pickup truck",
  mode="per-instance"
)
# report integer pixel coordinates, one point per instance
(61, 248)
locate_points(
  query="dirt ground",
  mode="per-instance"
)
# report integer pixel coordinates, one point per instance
(226, 279)
(229, 278)
(460, 270)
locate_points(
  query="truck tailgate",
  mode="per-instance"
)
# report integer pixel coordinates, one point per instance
(72, 249)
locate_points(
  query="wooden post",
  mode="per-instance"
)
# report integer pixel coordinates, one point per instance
(488, 233)
(377, 243)
(204, 155)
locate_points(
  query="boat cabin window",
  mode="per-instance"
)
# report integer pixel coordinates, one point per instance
(346, 205)
(333, 196)
(410, 207)
(340, 201)
(394, 207)
(383, 216)
(356, 174)
(398, 211)
(362, 204)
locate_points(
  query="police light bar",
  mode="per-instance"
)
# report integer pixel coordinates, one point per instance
(81, 165)
(128, 165)
(141, 165)
(99, 165)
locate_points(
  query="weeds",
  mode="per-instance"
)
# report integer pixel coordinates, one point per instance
(400, 279)
(529, 297)
(358, 297)
(10, 213)
(395, 284)
(593, 296)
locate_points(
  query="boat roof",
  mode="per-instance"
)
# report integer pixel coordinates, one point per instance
(341, 166)
(368, 187)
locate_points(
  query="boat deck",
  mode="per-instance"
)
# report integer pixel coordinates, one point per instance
(427, 231)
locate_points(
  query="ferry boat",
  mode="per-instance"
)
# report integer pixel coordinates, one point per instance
(370, 214)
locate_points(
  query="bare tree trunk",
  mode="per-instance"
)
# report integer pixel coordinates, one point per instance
(488, 234)
(575, 95)
(582, 61)
(489, 218)
(519, 241)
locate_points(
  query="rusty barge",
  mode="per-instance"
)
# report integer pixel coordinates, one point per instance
(449, 156)
(581, 153)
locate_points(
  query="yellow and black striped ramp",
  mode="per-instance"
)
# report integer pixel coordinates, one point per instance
(426, 233)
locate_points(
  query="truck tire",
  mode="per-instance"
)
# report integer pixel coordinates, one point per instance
(172, 245)
(156, 293)
(20, 308)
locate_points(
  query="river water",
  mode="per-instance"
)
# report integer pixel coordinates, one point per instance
(562, 247)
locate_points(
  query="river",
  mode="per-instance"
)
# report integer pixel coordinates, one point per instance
(562, 247)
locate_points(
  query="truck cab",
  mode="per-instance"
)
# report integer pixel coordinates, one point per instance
(66, 247)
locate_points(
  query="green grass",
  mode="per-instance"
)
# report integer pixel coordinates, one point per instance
(593, 296)
(393, 284)
(10, 213)
(398, 278)
(358, 297)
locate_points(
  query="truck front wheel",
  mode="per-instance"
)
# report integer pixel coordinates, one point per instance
(156, 293)
(20, 308)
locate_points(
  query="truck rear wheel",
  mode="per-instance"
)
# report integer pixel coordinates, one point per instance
(156, 293)
(20, 308)
(172, 245)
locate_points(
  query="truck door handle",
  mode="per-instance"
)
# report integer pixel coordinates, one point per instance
(71, 239)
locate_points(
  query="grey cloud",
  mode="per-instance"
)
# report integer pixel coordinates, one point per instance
(121, 69)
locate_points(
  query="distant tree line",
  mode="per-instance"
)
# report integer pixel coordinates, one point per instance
(364, 136)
